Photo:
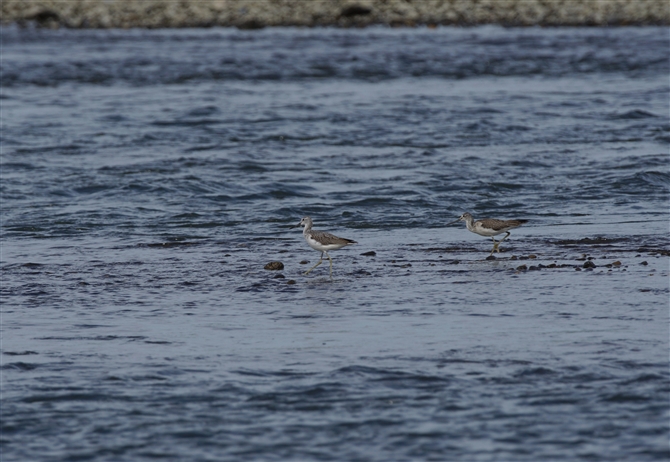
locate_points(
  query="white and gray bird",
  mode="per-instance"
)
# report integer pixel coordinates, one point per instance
(489, 227)
(321, 241)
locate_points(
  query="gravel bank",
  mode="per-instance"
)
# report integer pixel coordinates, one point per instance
(253, 14)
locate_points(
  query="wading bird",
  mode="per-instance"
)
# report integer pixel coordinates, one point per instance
(489, 227)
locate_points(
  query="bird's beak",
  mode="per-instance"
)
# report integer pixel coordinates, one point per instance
(455, 221)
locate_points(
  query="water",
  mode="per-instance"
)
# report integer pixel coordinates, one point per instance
(148, 176)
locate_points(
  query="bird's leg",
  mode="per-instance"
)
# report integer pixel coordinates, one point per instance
(495, 246)
(331, 266)
(506, 236)
(317, 264)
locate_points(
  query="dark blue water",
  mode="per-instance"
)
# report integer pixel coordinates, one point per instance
(148, 177)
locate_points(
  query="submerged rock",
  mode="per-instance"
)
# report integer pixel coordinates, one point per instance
(274, 266)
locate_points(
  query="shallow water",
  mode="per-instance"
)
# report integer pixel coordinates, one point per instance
(148, 177)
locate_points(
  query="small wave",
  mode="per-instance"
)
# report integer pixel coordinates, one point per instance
(20, 366)
(634, 114)
(652, 182)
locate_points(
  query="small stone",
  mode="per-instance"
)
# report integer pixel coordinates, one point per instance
(371, 253)
(577, 268)
(589, 264)
(521, 268)
(533, 268)
(532, 257)
(644, 263)
(513, 257)
(290, 281)
(490, 257)
(274, 266)
(616, 263)
(279, 276)
(454, 262)
(355, 10)
(304, 262)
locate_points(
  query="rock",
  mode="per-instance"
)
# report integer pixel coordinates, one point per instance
(644, 263)
(371, 253)
(521, 268)
(304, 262)
(355, 10)
(490, 257)
(616, 263)
(274, 266)
(279, 276)
(290, 281)
(251, 24)
(589, 264)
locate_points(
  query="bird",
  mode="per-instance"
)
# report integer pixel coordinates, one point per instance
(321, 241)
(489, 227)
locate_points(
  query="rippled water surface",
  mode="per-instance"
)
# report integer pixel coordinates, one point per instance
(149, 176)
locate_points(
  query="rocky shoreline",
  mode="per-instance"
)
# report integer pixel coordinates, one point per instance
(256, 14)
